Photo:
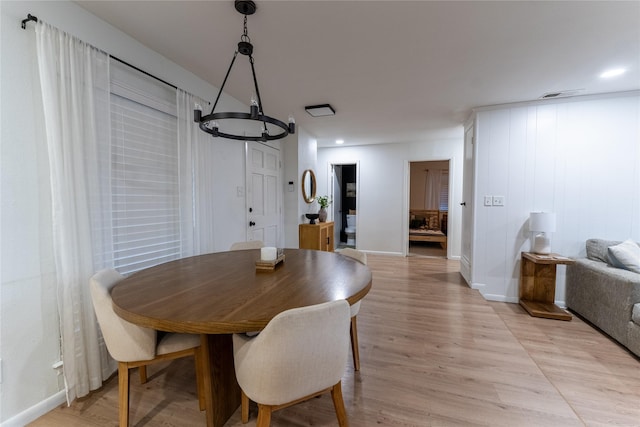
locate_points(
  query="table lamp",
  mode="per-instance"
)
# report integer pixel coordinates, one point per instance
(542, 223)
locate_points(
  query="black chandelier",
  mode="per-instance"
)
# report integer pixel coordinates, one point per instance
(209, 122)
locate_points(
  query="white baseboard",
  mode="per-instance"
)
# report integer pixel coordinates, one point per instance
(36, 411)
(383, 253)
(500, 298)
(476, 285)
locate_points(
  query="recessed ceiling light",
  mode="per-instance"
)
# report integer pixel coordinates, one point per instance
(612, 73)
(339, 141)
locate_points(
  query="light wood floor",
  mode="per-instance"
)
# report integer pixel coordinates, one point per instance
(433, 353)
(431, 249)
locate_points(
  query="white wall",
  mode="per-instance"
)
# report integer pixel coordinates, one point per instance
(299, 155)
(383, 197)
(29, 340)
(579, 158)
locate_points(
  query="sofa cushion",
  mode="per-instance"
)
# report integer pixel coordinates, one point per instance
(635, 315)
(598, 249)
(625, 255)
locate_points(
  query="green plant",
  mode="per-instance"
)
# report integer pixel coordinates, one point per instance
(323, 201)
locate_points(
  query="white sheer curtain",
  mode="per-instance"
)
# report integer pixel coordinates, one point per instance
(75, 92)
(196, 179)
(432, 189)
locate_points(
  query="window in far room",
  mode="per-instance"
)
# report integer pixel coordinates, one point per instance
(444, 190)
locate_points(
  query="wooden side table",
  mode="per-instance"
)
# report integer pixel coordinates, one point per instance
(538, 285)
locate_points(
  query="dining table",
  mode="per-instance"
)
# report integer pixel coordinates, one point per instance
(218, 294)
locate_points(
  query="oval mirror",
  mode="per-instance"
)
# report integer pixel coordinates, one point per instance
(308, 186)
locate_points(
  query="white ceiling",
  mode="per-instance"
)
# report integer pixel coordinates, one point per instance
(395, 71)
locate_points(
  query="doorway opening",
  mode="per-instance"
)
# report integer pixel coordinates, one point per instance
(428, 208)
(344, 193)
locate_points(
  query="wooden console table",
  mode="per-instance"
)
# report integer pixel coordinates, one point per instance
(317, 236)
(538, 285)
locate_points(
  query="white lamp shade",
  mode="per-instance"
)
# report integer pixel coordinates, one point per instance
(542, 221)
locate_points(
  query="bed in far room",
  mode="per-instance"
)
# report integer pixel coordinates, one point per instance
(428, 226)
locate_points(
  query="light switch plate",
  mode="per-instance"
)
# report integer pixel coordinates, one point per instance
(488, 200)
(498, 200)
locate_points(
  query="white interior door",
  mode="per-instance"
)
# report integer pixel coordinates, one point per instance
(263, 194)
(467, 207)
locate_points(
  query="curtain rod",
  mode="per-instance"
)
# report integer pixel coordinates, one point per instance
(143, 71)
(30, 17)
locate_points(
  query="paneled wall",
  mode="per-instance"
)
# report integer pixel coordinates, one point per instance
(579, 158)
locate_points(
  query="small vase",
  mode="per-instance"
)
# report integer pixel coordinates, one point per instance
(322, 215)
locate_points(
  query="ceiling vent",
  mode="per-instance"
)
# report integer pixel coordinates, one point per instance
(321, 110)
(561, 94)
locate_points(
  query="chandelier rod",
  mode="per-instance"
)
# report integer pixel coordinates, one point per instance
(225, 81)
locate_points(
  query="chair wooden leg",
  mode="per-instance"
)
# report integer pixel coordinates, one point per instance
(338, 403)
(264, 415)
(354, 344)
(143, 374)
(244, 405)
(123, 393)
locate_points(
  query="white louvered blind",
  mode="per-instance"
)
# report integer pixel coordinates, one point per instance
(444, 191)
(144, 179)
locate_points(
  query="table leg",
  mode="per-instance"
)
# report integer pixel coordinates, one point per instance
(221, 389)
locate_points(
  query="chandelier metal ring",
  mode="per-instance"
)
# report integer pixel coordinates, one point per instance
(210, 118)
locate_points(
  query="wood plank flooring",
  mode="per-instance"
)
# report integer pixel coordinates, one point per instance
(433, 353)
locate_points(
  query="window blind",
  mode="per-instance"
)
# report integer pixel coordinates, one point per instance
(444, 191)
(144, 180)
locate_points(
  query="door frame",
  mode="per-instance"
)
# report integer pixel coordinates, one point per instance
(330, 183)
(407, 202)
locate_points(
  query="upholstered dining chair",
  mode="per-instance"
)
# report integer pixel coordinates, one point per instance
(134, 346)
(253, 244)
(300, 354)
(355, 308)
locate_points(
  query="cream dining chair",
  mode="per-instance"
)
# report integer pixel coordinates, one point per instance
(253, 244)
(355, 308)
(134, 346)
(300, 354)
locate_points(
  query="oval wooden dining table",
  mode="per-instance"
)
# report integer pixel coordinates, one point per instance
(218, 294)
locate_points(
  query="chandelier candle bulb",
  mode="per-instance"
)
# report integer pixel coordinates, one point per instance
(268, 253)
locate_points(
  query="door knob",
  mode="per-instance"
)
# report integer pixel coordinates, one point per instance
(463, 204)
(250, 209)
(251, 223)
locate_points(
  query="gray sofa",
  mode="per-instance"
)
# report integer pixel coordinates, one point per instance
(606, 296)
